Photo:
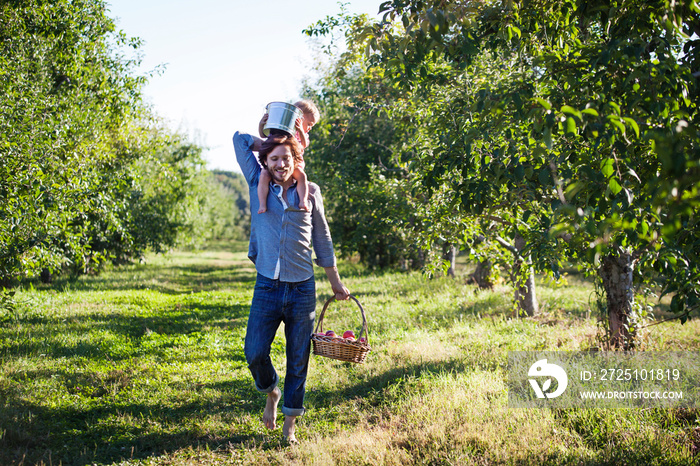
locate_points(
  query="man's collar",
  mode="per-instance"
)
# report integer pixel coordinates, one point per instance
(294, 183)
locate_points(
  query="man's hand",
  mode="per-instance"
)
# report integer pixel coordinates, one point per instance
(340, 291)
(257, 144)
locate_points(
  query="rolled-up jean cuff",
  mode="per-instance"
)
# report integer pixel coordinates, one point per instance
(293, 411)
(270, 388)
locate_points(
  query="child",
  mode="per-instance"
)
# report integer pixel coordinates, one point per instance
(303, 125)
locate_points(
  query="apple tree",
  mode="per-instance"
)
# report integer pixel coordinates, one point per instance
(384, 168)
(87, 173)
(357, 154)
(573, 124)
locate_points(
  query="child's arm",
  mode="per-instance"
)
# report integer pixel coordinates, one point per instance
(302, 135)
(302, 187)
(263, 190)
(261, 125)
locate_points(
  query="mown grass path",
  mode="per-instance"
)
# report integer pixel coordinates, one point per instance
(144, 365)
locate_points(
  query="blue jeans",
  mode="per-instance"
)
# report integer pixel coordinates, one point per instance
(294, 304)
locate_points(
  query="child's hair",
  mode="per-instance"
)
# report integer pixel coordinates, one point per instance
(307, 106)
(280, 139)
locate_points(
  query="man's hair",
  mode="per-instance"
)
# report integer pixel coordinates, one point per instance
(307, 106)
(280, 139)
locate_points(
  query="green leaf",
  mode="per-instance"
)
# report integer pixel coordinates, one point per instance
(633, 124)
(573, 189)
(514, 30)
(571, 111)
(543, 103)
(615, 120)
(548, 137)
(643, 227)
(519, 172)
(590, 111)
(676, 304)
(614, 186)
(433, 19)
(615, 106)
(607, 167)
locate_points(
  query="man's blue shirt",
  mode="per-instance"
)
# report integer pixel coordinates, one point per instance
(281, 239)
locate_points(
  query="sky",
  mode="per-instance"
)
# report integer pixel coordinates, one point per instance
(224, 60)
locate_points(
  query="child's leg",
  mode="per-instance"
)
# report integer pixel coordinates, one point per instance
(302, 188)
(263, 190)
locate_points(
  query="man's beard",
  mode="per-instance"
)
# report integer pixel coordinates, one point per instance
(280, 176)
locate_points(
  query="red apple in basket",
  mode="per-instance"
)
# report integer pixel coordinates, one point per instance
(349, 335)
(330, 333)
(363, 340)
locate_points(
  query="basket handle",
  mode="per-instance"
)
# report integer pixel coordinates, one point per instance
(319, 324)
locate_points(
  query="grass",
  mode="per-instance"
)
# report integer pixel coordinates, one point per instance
(143, 365)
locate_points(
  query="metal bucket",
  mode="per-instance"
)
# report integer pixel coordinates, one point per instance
(282, 116)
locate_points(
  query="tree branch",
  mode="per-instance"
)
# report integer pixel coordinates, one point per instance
(507, 245)
(357, 112)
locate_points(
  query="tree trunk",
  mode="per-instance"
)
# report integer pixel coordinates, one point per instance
(524, 281)
(525, 294)
(482, 275)
(449, 253)
(616, 272)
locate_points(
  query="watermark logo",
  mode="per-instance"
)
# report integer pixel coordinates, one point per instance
(604, 379)
(544, 369)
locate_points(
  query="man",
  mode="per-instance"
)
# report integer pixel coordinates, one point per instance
(280, 246)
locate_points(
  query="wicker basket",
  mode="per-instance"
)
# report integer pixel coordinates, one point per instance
(338, 347)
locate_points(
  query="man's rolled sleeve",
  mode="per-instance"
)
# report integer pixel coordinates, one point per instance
(325, 262)
(243, 145)
(321, 235)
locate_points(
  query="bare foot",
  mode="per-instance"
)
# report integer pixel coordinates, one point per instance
(303, 206)
(262, 210)
(270, 413)
(288, 429)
